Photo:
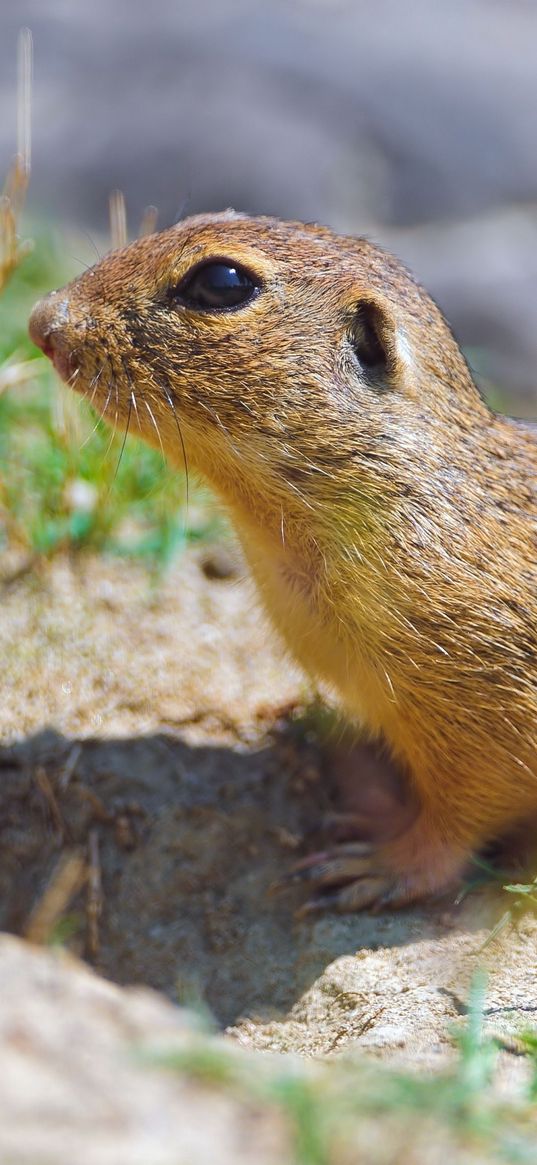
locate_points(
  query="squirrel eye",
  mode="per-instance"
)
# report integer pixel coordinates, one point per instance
(216, 286)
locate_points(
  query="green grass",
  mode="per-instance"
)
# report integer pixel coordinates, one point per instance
(351, 1109)
(62, 482)
(523, 901)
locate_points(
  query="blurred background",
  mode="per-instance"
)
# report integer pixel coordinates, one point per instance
(410, 121)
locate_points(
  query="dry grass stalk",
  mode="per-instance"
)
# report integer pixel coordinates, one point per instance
(148, 224)
(94, 902)
(66, 881)
(12, 200)
(15, 372)
(118, 219)
(45, 788)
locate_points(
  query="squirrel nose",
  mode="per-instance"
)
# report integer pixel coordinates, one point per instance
(48, 318)
(50, 328)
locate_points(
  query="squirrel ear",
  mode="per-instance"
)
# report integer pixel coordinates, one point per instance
(372, 335)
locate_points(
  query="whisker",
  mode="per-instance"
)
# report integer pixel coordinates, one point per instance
(90, 402)
(155, 426)
(213, 413)
(135, 407)
(90, 435)
(73, 377)
(178, 427)
(125, 435)
(93, 243)
(86, 266)
(116, 392)
(107, 402)
(133, 400)
(109, 446)
(94, 382)
(112, 434)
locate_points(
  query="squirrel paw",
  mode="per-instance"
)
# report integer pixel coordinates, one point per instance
(359, 875)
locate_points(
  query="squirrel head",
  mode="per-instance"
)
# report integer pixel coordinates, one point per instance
(278, 353)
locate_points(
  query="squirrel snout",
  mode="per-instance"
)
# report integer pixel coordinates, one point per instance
(48, 316)
(47, 327)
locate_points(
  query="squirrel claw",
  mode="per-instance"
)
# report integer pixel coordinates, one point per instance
(361, 894)
(359, 875)
(350, 877)
(331, 867)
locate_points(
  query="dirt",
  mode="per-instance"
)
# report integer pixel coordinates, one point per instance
(82, 1079)
(147, 737)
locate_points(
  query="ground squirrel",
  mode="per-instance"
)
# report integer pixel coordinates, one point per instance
(388, 516)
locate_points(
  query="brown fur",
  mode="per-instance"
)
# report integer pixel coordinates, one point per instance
(390, 523)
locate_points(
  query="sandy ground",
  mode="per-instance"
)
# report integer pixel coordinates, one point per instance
(149, 718)
(145, 738)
